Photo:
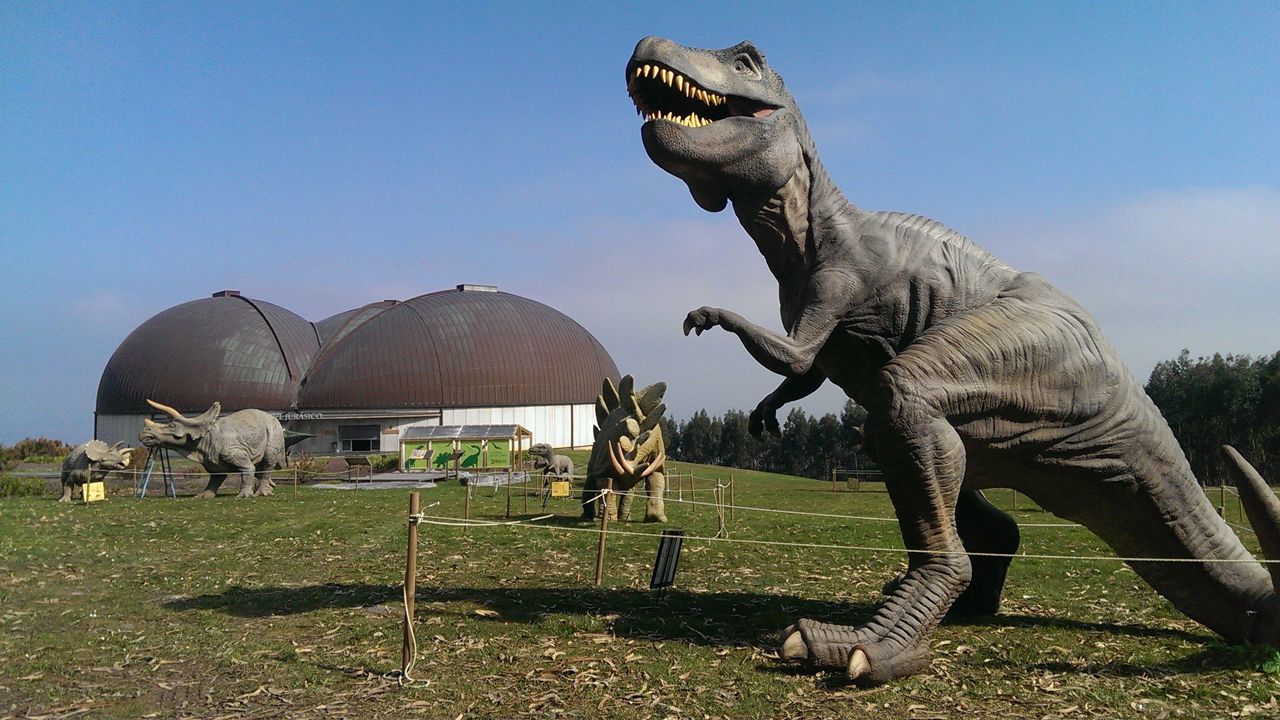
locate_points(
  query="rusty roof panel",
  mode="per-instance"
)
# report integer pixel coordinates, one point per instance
(457, 348)
(240, 352)
(335, 327)
(460, 349)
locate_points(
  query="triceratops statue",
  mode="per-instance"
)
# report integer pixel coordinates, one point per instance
(247, 442)
(628, 449)
(92, 462)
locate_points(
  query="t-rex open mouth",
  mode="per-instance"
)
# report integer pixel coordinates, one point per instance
(661, 93)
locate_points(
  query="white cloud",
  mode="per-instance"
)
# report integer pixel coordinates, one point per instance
(1196, 269)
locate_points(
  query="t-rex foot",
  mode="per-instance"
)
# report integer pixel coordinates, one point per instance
(206, 495)
(265, 490)
(864, 659)
(246, 492)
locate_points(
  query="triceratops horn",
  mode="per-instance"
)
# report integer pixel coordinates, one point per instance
(150, 423)
(1261, 505)
(165, 409)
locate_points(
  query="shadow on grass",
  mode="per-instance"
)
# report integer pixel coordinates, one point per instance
(1034, 621)
(1214, 657)
(699, 618)
(724, 618)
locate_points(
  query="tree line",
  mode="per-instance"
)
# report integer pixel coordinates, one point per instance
(1209, 402)
(809, 446)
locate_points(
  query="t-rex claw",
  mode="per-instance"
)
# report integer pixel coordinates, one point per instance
(859, 665)
(794, 649)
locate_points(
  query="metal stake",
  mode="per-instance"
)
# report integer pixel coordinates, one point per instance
(410, 584)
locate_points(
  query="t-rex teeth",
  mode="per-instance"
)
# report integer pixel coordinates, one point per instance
(680, 83)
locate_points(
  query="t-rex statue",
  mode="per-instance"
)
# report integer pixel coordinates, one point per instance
(974, 375)
(551, 464)
(628, 449)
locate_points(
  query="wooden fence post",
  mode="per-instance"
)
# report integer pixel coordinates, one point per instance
(466, 512)
(604, 528)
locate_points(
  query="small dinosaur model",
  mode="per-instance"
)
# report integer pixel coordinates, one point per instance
(91, 462)
(974, 375)
(551, 464)
(248, 442)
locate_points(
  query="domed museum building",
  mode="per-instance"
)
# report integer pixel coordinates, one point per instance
(358, 380)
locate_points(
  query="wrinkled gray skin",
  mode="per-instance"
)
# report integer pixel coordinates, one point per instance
(245, 442)
(551, 464)
(974, 375)
(91, 462)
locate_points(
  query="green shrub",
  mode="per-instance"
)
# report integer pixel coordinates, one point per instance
(384, 462)
(44, 459)
(15, 486)
(309, 466)
(11, 455)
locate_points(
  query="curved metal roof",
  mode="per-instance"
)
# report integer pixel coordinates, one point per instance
(459, 348)
(336, 327)
(241, 352)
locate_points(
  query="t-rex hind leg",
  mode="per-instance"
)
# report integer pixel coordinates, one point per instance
(923, 460)
(984, 528)
(982, 372)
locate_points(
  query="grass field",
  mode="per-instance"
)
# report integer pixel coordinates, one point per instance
(291, 607)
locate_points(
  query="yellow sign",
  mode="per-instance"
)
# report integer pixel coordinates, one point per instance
(94, 491)
(560, 488)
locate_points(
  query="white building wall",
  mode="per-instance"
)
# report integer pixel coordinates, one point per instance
(112, 429)
(584, 420)
(556, 425)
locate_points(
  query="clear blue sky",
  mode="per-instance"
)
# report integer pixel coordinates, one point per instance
(321, 156)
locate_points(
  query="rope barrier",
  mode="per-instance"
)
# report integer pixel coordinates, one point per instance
(403, 677)
(828, 515)
(447, 522)
(442, 520)
(1245, 528)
